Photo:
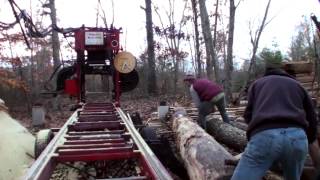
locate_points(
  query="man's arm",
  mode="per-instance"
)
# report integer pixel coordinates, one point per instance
(195, 97)
(311, 118)
(248, 111)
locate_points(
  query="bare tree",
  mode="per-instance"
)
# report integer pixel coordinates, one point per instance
(152, 80)
(229, 60)
(55, 36)
(316, 48)
(215, 25)
(173, 35)
(208, 40)
(255, 37)
(197, 41)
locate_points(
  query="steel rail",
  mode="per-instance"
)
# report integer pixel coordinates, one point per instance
(154, 163)
(42, 164)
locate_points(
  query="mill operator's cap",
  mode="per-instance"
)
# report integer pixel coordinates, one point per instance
(189, 77)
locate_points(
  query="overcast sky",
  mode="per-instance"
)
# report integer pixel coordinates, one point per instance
(287, 15)
(128, 15)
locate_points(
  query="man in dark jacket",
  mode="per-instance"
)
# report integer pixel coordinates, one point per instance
(281, 121)
(205, 95)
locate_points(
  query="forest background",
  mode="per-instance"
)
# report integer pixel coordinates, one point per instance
(226, 41)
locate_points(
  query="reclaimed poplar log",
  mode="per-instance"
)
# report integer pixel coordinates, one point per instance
(203, 157)
(239, 125)
(305, 78)
(227, 134)
(299, 67)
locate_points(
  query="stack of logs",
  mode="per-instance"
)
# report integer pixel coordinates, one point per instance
(304, 73)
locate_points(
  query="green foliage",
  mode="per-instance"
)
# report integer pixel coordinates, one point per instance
(271, 57)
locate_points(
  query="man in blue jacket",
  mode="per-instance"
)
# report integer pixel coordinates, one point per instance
(281, 121)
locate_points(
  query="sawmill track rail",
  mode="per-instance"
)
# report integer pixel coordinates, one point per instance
(98, 132)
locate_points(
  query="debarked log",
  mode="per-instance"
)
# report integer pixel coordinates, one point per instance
(227, 134)
(204, 158)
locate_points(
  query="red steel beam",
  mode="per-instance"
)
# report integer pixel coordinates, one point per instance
(91, 110)
(120, 140)
(96, 157)
(85, 126)
(94, 151)
(146, 167)
(89, 146)
(92, 137)
(98, 108)
(98, 118)
(96, 132)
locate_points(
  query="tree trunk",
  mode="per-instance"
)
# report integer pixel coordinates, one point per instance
(225, 133)
(316, 49)
(203, 156)
(55, 36)
(229, 61)
(175, 77)
(197, 41)
(255, 41)
(55, 47)
(239, 125)
(255, 44)
(152, 80)
(215, 25)
(210, 51)
(316, 63)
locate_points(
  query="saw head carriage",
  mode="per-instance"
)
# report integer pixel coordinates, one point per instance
(98, 52)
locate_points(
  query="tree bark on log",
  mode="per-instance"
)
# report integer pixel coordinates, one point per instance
(203, 156)
(239, 125)
(227, 134)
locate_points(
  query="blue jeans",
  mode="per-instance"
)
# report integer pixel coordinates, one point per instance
(206, 107)
(289, 146)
